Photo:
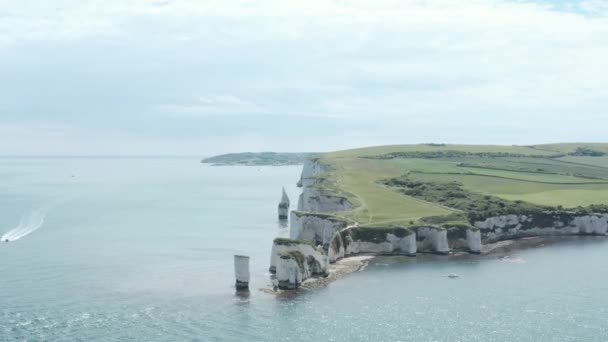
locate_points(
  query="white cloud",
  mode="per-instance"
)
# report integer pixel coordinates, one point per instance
(213, 105)
(419, 62)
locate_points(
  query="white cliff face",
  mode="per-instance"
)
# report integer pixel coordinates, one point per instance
(474, 241)
(297, 263)
(516, 226)
(336, 249)
(312, 227)
(289, 275)
(307, 250)
(316, 200)
(392, 244)
(319, 201)
(501, 221)
(591, 224)
(312, 168)
(464, 239)
(431, 239)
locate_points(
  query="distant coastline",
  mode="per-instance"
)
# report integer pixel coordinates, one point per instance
(259, 159)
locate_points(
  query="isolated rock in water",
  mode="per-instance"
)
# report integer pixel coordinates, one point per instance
(241, 272)
(284, 206)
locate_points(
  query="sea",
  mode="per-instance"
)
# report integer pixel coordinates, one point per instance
(141, 249)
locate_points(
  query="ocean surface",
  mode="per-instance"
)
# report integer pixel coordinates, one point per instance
(141, 249)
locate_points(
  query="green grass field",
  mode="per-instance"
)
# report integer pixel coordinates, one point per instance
(447, 178)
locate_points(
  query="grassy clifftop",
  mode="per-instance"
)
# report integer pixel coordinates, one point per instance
(413, 184)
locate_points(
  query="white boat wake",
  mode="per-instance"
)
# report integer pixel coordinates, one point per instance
(29, 223)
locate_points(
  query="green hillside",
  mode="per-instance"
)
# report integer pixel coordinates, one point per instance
(438, 183)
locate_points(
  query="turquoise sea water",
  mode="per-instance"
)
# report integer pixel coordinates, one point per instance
(141, 250)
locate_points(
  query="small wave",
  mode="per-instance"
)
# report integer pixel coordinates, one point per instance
(28, 224)
(515, 260)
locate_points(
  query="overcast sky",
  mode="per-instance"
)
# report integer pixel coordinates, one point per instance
(203, 77)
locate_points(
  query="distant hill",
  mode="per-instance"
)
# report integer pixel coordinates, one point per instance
(258, 158)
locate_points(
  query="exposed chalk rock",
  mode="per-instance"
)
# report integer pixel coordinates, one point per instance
(540, 224)
(463, 238)
(241, 272)
(289, 273)
(322, 201)
(318, 228)
(335, 250)
(311, 170)
(293, 262)
(314, 198)
(284, 206)
(392, 245)
(474, 241)
(377, 240)
(318, 265)
(596, 224)
(432, 239)
(457, 238)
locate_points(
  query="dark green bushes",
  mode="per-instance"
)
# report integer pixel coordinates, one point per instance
(587, 152)
(290, 242)
(374, 234)
(456, 154)
(476, 206)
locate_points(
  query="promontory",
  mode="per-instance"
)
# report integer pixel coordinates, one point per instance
(438, 198)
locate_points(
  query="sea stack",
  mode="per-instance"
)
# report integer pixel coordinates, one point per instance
(241, 271)
(284, 206)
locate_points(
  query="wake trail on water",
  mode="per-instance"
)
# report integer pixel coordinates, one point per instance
(28, 224)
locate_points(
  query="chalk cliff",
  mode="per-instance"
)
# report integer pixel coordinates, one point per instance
(318, 228)
(281, 246)
(311, 171)
(466, 239)
(432, 239)
(549, 223)
(314, 198)
(318, 200)
(294, 261)
(377, 240)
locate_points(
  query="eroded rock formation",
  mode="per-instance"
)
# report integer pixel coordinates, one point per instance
(294, 261)
(318, 228)
(284, 206)
(550, 223)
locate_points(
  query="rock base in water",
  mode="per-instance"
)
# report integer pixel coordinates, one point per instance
(242, 286)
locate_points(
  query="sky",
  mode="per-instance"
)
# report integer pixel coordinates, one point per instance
(197, 77)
